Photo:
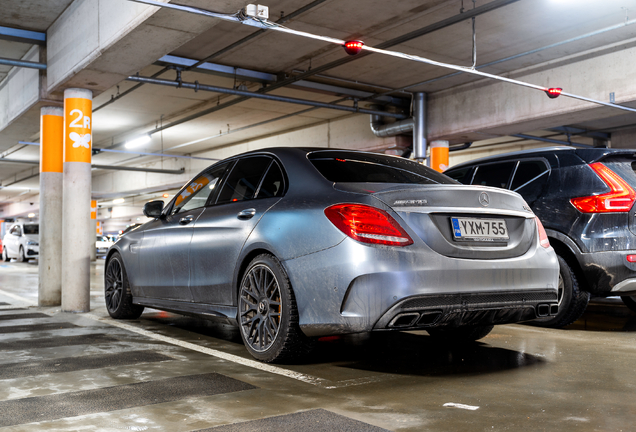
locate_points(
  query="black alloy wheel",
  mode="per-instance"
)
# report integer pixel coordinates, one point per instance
(261, 307)
(267, 313)
(5, 257)
(21, 257)
(117, 291)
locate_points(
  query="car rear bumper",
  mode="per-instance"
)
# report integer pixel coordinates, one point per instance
(609, 273)
(354, 288)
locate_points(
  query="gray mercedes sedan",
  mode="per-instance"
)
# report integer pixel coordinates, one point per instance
(291, 244)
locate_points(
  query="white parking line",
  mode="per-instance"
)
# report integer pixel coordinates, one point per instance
(17, 297)
(309, 379)
(215, 353)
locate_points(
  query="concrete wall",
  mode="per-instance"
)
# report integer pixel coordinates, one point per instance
(20, 90)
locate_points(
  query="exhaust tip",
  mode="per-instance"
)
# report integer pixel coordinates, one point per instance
(543, 310)
(404, 320)
(429, 318)
(554, 309)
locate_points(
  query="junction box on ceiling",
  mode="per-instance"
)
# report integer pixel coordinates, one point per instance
(257, 11)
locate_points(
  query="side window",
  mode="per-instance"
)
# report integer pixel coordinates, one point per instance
(198, 191)
(273, 183)
(16, 231)
(530, 178)
(463, 175)
(496, 174)
(244, 178)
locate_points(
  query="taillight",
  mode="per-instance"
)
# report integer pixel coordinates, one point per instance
(367, 224)
(543, 236)
(620, 198)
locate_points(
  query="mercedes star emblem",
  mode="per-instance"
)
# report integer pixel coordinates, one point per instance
(484, 199)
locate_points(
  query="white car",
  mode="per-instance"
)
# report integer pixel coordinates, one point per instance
(102, 244)
(21, 242)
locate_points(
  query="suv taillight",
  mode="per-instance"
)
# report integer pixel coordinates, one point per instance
(543, 237)
(620, 198)
(367, 224)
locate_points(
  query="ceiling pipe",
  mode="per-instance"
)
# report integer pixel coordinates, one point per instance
(419, 126)
(248, 94)
(22, 63)
(19, 180)
(516, 56)
(460, 147)
(97, 150)
(549, 140)
(382, 130)
(106, 167)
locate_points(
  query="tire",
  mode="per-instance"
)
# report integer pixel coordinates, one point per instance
(117, 291)
(5, 257)
(21, 257)
(572, 300)
(267, 313)
(630, 302)
(460, 334)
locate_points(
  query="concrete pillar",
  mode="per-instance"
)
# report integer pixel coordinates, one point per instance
(51, 177)
(92, 234)
(77, 199)
(439, 155)
(419, 126)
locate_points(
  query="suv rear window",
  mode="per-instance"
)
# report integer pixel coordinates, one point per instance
(494, 174)
(351, 167)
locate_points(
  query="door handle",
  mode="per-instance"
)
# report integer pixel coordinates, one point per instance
(246, 214)
(186, 220)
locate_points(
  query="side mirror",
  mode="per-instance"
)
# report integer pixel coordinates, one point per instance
(153, 209)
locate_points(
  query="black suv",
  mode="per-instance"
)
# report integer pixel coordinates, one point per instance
(585, 199)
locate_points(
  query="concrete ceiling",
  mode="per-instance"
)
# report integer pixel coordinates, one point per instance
(517, 28)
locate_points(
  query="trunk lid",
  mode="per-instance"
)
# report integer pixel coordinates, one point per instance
(429, 211)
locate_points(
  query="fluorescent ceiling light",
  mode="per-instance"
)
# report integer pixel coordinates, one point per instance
(31, 215)
(139, 141)
(118, 201)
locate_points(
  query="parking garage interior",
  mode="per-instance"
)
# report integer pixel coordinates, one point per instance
(176, 86)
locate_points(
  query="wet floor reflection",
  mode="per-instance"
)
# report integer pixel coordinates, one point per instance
(405, 353)
(606, 316)
(418, 354)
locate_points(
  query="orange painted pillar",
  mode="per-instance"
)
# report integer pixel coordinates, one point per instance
(76, 252)
(51, 179)
(439, 155)
(92, 234)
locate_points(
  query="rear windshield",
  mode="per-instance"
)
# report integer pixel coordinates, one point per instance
(624, 167)
(351, 167)
(31, 229)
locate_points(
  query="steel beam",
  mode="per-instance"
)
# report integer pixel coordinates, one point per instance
(23, 36)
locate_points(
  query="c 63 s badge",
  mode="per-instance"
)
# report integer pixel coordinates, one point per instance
(406, 203)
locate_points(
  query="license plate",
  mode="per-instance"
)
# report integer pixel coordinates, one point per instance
(474, 229)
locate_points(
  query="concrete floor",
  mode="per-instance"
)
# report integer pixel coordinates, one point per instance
(70, 372)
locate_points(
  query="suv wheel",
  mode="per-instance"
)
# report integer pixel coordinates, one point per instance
(572, 300)
(630, 302)
(5, 257)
